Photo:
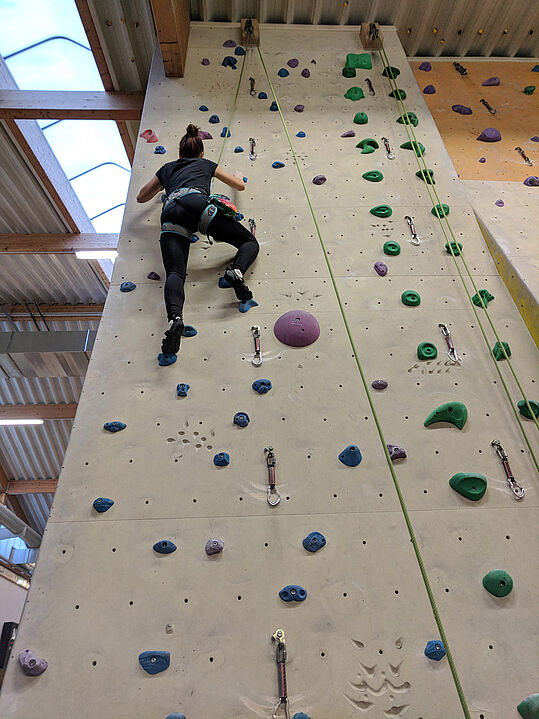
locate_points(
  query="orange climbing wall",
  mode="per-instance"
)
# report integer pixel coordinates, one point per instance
(516, 116)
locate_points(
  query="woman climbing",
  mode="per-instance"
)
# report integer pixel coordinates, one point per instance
(187, 209)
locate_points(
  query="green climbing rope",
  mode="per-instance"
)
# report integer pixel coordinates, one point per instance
(232, 110)
(396, 484)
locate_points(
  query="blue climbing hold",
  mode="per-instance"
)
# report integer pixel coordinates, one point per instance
(203, 108)
(101, 504)
(230, 61)
(247, 305)
(351, 456)
(314, 541)
(194, 238)
(223, 283)
(182, 389)
(127, 286)
(176, 715)
(239, 50)
(114, 426)
(165, 360)
(293, 593)
(214, 119)
(301, 715)
(241, 419)
(221, 459)
(283, 72)
(301, 134)
(535, 68)
(262, 96)
(274, 107)
(277, 164)
(159, 150)
(435, 650)
(189, 331)
(225, 132)
(154, 662)
(238, 148)
(164, 546)
(262, 386)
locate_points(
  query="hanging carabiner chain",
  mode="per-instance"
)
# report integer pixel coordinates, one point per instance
(252, 153)
(257, 357)
(252, 226)
(369, 85)
(515, 487)
(389, 154)
(280, 658)
(452, 352)
(525, 157)
(252, 90)
(415, 237)
(486, 104)
(273, 495)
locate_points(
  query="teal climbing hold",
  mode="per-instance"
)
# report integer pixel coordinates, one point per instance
(166, 359)
(221, 459)
(440, 210)
(452, 412)
(189, 331)
(373, 176)
(455, 246)
(367, 145)
(471, 485)
(529, 707)
(354, 61)
(391, 72)
(523, 408)
(498, 582)
(360, 118)
(351, 455)
(354, 93)
(398, 94)
(529, 90)
(498, 352)
(427, 176)
(392, 248)
(485, 295)
(413, 145)
(277, 164)
(410, 298)
(408, 118)
(426, 351)
(381, 211)
(301, 715)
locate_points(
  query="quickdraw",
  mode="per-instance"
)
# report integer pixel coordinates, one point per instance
(257, 357)
(524, 156)
(460, 69)
(252, 226)
(252, 90)
(452, 352)
(280, 658)
(486, 104)
(252, 153)
(369, 85)
(415, 237)
(515, 487)
(389, 154)
(273, 495)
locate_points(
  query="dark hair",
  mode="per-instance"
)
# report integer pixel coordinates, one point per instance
(191, 145)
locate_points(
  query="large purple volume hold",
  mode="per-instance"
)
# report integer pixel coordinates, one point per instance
(297, 328)
(531, 181)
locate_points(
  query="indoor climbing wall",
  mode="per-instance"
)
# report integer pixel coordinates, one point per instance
(102, 595)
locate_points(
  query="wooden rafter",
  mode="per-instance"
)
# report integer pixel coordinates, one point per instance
(38, 411)
(11, 502)
(31, 486)
(172, 23)
(70, 105)
(55, 244)
(56, 312)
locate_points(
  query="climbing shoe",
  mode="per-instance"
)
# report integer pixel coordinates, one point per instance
(234, 277)
(171, 341)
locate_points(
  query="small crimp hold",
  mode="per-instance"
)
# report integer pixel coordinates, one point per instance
(351, 456)
(373, 176)
(283, 72)
(154, 662)
(455, 246)
(214, 119)
(262, 386)
(189, 331)
(380, 268)
(114, 426)
(166, 359)
(221, 459)
(471, 485)
(214, 546)
(164, 546)
(411, 298)
(102, 504)
(435, 650)
(293, 593)
(498, 352)
(241, 419)
(182, 389)
(426, 351)
(440, 210)
(277, 164)
(159, 150)
(314, 541)
(31, 665)
(379, 384)
(230, 61)
(396, 452)
(485, 295)
(398, 94)
(391, 72)
(498, 582)
(391, 248)
(127, 286)
(381, 211)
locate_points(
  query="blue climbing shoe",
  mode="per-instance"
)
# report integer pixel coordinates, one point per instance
(234, 277)
(171, 341)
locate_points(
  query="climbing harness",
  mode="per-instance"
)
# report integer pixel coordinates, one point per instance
(252, 90)
(371, 88)
(524, 156)
(460, 69)
(415, 237)
(252, 226)
(452, 352)
(205, 218)
(257, 357)
(486, 104)
(273, 495)
(280, 658)
(252, 153)
(517, 490)
(389, 154)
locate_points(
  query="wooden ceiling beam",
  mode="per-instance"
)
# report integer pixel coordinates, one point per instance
(38, 411)
(172, 23)
(11, 502)
(31, 486)
(20, 313)
(70, 105)
(57, 244)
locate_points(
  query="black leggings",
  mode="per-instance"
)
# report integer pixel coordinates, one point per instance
(175, 248)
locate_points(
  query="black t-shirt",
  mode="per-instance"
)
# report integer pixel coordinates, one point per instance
(187, 172)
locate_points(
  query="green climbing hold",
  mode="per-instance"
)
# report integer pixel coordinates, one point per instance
(353, 61)
(498, 352)
(373, 176)
(367, 145)
(455, 246)
(413, 145)
(398, 94)
(427, 176)
(452, 412)
(381, 211)
(360, 118)
(392, 248)
(529, 708)
(529, 89)
(523, 408)
(471, 485)
(391, 72)
(411, 298)
(354, 93)
(426, 351)
(440, 210)
(498, 582)
(486, 296)
(409, 118)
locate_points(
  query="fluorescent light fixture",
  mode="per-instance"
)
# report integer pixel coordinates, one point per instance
(97, 255)
(20, 421)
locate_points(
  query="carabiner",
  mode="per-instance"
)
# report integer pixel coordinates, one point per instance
(371, 88)
(280, 658)
(273, 496)
(284, 703)
(452, 352)
(415, 237)
(460, 69)
(525, 157)
(489, 108)
(515, 487)
(257, 357)
(252, 153)
(389, 154)
(252, 90)
(252, 226)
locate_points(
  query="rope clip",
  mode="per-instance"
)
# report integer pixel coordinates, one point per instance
(489, 108)
(452, 352)
(524, 156)
(252, 153)
(460, 69)
(415, 237)
(252, 226)
(371, 88)
(280, 658)
(252, 90)
(390, 155)
(273, 495)
(257, 357)
(514, 486)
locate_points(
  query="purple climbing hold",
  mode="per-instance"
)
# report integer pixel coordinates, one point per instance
(230, 43)
(299, 108)
(429, 90)
(319, 179)
(293, 62)
(297, 328)
(31, 665)
(379, 384)
(305, 72)
(482, 159)
(491, 81)
(205, 61)
(425, 66)
(380, 268)
(462, 109)
(205, 135)
(348, 133)
(535, 138)
(153, 276)
(396, 452)
(214, 546)
(531, 181)
(499, 203)
(489, 134)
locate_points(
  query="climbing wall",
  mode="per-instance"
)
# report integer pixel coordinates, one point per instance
(101, 595)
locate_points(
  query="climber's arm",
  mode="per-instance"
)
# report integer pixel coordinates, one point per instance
(234, 181)
(149, 190)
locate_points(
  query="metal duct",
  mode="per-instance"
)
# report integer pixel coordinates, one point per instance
(63, 353)
(19, 528)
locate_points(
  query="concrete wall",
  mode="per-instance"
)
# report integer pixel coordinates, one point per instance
(12, 600)
(100, 595)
